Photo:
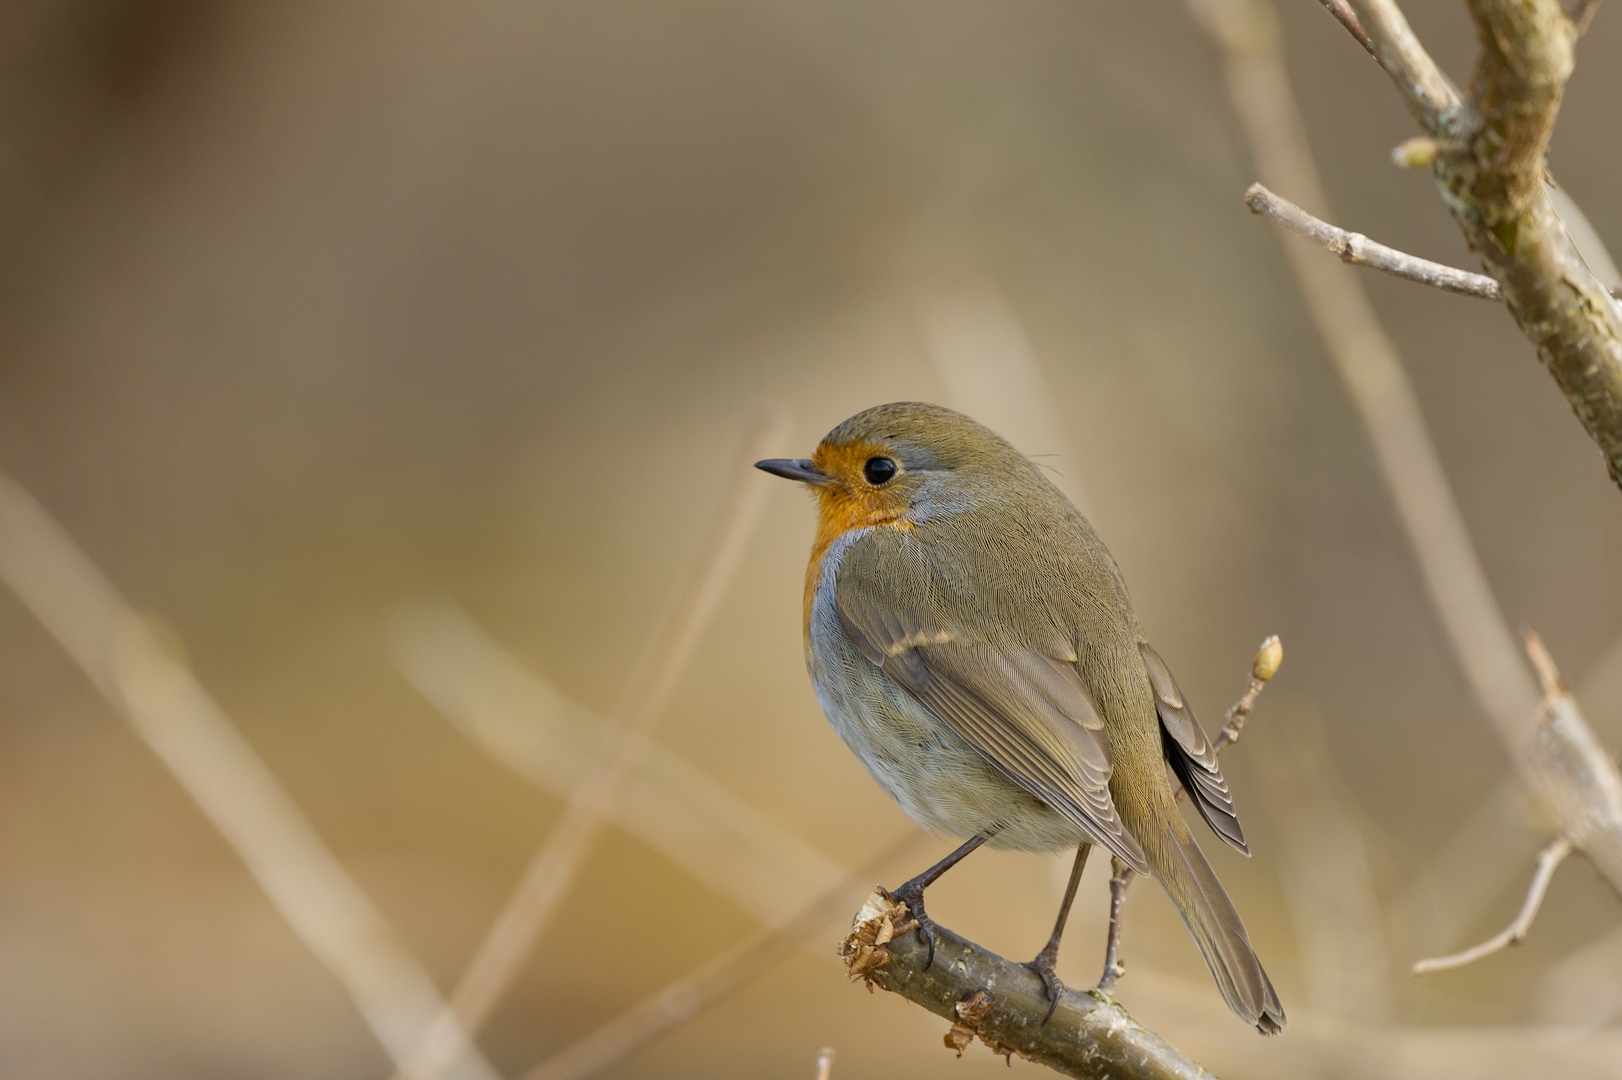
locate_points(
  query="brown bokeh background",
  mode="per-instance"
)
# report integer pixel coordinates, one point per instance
(311, 310)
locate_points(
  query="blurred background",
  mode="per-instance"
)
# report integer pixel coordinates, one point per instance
(394, 361)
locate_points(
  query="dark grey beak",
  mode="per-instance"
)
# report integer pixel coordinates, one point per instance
(790, 469)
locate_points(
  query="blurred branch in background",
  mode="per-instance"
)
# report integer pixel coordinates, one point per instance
(126, 660)
(1493, 842)
(1549, 859)
(530, 727)
(1584, 987)
(1492, 846)
(751, 957)
(551, 873)
(982, 356)
(1558, 757)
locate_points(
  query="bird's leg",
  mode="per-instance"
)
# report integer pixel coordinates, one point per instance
(1113, 968)
(912, 893)
(1045, 960)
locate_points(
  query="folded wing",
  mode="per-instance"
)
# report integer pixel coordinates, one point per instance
(1191, 754)
(1026, 712)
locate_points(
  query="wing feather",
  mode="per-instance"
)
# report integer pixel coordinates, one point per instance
(1192, 756)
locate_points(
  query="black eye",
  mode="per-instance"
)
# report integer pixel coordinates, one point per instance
(878, 470)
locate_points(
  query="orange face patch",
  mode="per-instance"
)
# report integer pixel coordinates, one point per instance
(850, 502)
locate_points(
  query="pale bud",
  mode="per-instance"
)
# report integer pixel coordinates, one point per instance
(1268, 658)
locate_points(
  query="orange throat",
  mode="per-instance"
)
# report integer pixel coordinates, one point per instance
(847, 504)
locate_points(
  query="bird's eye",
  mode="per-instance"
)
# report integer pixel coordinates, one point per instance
(878, 470)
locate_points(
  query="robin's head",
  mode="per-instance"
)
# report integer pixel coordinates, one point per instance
(899, 464)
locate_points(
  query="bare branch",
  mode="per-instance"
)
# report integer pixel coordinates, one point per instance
(1373, 374)
(550, 875)
(1359, 250)
(1490, 166)
(1002, 1003)
(1572, 777)
(1342, 11)
(825, 1063)
(1570, 774)
(1430, 96)
(1548, 859)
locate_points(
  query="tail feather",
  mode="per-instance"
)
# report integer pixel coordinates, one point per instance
(1218, 931)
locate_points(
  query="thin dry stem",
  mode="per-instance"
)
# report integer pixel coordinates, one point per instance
(1430, 96)
(1343, 12)
(1548, 860)
(1359, 250)
(825, 1062)
(190, 733)
(1120, 880)
(551, 873)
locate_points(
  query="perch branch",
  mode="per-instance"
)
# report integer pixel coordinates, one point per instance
(1548, 859)
(551, 873)
(1490, 167)
(1003, 1003)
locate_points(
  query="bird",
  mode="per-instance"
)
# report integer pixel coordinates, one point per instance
(970, 639)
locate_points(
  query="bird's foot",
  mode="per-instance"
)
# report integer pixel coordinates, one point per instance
(1043, 965)
(912, 894)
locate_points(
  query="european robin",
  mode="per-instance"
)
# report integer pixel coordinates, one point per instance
(971, 640)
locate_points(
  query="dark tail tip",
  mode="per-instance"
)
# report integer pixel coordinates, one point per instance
(1220, 935)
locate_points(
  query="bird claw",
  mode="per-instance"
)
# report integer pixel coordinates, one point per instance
(912, 895)
(1043, 966)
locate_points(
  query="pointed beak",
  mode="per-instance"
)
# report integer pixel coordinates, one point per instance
(791, 469)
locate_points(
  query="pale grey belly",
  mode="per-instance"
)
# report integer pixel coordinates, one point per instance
(941, 781)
